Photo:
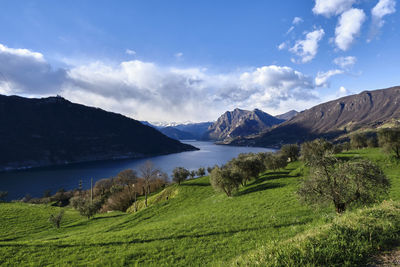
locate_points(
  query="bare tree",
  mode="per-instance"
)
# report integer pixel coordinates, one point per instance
(149, 173)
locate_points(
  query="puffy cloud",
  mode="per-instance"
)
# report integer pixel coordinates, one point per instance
(348, 28)
(345, 62)
(147, 91)
(328, 8)
(382, 8)
(130, 52)
(322, 78)
(23, 71)
(307, 49)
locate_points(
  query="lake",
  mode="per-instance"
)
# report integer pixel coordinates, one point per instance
(36, 181)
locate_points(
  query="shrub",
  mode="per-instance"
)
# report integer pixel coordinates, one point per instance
(120, 201)
(56, 219)
(358, 140)
(85, 206)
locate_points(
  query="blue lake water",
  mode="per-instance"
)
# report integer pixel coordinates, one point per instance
(36, 181)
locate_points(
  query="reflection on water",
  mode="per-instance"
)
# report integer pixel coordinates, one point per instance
(36, 181)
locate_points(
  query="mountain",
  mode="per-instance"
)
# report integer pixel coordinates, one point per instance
(239, 123)
(184, 131)
(47, 131)
(177, 134)
(368, 109)
(288, 115)
(197, 130)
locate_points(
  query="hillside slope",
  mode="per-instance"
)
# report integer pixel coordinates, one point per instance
(46, 131)
(240, 122)
(369, 109)
(195, 227)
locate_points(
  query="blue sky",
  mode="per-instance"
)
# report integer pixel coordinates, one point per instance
(193, 60)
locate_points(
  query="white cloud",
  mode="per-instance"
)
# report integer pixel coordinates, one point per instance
(130, 52)
(342, 92)
(282, 46)
(22, 70)
(307, 49)
(345, 62)
(297, 20)
(348, 28)
(147, 91)
(328, 8)
(290, 29)
(322, 79)
(382, 8)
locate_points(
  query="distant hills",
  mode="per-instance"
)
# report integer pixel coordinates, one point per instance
(239, 123)
(47, 131)
(366, 110)
(288, 115)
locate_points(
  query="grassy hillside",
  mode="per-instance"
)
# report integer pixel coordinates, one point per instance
(196, 226)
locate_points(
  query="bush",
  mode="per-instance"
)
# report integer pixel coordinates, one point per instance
(56, 219)
(225, 180)
(120, 201)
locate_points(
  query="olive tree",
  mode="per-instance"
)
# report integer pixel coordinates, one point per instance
(291, 151)
(275, 161)
(201, 172)
(180, 174)
(225, 180)
(56, 219)
(248, 165)
(389, 140)
(358, 140)
(314, 152)
(344, 183)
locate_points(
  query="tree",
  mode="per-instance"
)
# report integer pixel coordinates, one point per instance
(315, 151)
(291, 151)
(358, 140)
(192, 174)
(201, 172)
(86, 206)
(275, 161)
(209, 169)
(56, 219)
(225, 179)
(248, 165)
(180, 174)
(389, 140)
(344, 183)
(149, 173)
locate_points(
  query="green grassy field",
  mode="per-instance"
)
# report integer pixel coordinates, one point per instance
(194, 227)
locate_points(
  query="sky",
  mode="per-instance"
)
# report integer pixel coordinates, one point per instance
(181, 61)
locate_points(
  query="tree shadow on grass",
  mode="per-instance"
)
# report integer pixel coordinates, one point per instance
(260, 187)
(141, 241)
(196, 184)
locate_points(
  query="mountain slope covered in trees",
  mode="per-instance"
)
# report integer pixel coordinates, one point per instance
(47, 131)
(368, 109)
